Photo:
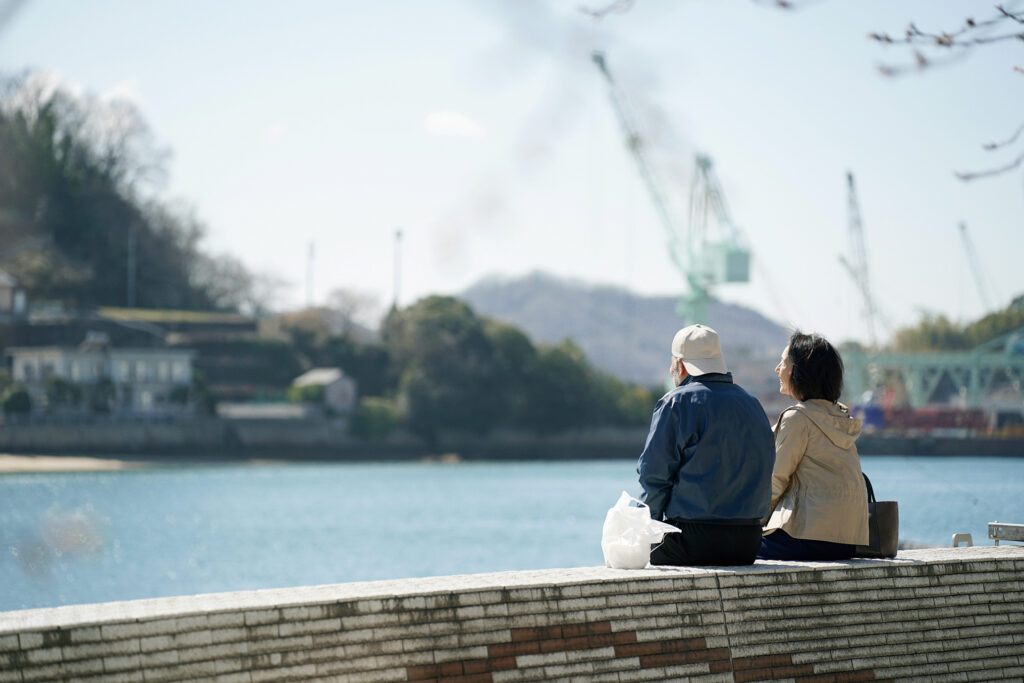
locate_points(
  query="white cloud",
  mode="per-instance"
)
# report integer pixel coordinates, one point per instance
(452, 124)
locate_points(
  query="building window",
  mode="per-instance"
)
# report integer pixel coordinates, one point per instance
(164, 371)
(180, 372)
(28, 371)
(141, 374)
(46, 369)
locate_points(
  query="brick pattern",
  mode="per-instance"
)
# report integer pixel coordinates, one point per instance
(951, 619)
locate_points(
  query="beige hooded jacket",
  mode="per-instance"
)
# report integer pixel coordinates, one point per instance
(818, 491)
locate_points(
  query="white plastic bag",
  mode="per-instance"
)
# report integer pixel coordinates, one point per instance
(628, 534)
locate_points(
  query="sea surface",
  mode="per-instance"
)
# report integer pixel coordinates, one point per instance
(68, 538)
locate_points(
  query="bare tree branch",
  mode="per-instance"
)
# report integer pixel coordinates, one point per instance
(1019, 18)
(1009, 141)
(970, 35)
(617, 7)
(965, 176)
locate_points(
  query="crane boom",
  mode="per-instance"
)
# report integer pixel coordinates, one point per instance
(635, 145)
(702, 262)
(857, 266)
(979, 275)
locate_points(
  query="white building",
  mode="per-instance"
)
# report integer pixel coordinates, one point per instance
(339, 389)
(12, 296)
(143, 379)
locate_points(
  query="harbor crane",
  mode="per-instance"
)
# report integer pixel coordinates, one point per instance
(857, 265)
(703, 257)
(979, 274)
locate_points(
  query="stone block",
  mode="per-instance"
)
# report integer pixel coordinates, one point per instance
(383, 676)
(429, 644)
(43, 655)
(45, 672)
(121, 663)
(485, 638)
(286, 628)
(345, 667)
(82, 667)
(565, 670)
(283, 673)
(455, 654)
(158, 659)
(237, 677)
(135, 676)
(277, 645)
(193, 639)
(480, 597)
(370, 620)
(220, 635)
(29, 640)
(225, 620)
(262, 617)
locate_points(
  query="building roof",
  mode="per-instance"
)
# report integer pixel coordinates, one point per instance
(319, 377)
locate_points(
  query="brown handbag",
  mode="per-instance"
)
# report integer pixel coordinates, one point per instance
(883, 526)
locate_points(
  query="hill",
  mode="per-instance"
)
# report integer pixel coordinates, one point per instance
(621, 332)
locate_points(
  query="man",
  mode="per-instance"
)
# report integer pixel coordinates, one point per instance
(707, 465)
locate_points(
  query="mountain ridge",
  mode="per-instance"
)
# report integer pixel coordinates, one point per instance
(623, 333)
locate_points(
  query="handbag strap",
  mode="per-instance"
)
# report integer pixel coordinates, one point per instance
(871, 491)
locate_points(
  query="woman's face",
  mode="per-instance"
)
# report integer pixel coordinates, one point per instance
(784, 370)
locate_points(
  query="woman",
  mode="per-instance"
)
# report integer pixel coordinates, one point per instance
(819, 503)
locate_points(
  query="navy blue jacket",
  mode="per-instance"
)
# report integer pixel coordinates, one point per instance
(709, 454)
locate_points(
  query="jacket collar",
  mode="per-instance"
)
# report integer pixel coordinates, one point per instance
(725, 377)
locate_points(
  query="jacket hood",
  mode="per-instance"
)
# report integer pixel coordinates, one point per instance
(833, 419)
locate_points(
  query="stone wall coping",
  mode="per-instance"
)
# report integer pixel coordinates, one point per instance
(70, 616)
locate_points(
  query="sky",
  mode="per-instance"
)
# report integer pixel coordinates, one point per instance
(484, 133)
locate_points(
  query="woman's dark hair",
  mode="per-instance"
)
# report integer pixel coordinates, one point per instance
(817, 368)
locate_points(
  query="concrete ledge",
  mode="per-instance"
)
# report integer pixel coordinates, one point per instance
(950, 613)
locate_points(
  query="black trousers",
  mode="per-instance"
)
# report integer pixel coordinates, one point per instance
(708, 544)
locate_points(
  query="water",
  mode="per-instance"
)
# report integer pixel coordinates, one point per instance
(69, 538)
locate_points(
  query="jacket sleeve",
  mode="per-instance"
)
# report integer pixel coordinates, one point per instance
(790, 446)
(660, 459)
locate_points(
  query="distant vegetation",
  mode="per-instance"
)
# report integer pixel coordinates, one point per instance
(938, 333)
(440, 367)
(77, 209)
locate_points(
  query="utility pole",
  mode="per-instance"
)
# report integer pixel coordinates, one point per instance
(309, 274)
(398, 266)
(130, 285)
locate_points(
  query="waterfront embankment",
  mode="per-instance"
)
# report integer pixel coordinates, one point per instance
(203, 439)
(949, 613)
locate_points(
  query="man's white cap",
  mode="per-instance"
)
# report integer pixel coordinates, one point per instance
(700, 350)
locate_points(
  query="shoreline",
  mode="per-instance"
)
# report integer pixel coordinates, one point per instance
(35, 464)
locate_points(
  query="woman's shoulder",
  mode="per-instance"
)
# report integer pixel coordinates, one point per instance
(792, 417)
(794, 413)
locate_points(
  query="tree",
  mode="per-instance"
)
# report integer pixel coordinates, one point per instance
(100, 396)
(61, 393)
(16, 400)
(934, 48)
(559, 390)
(80, 221)
(938, 333)
(374, 418)
(449, 379)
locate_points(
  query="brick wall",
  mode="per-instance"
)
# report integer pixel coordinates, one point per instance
(950, 614)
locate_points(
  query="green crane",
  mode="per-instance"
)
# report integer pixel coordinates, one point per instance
(705, 258)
